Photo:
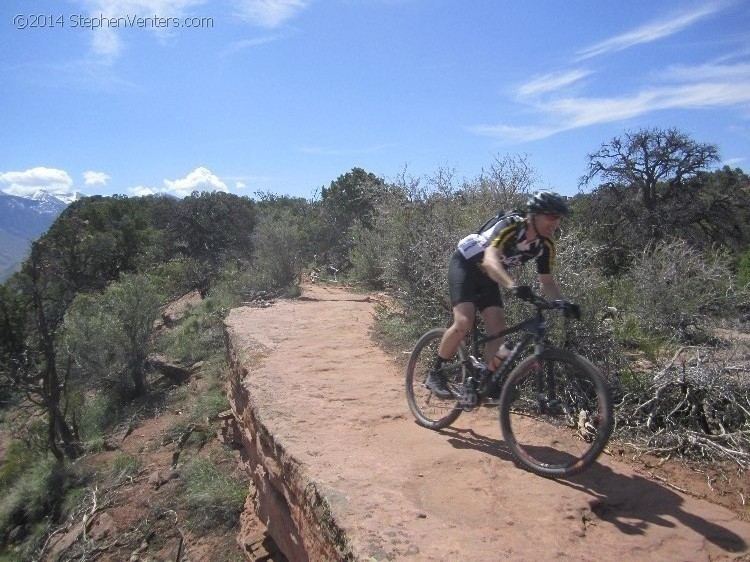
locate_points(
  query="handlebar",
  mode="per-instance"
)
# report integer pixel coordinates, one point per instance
(568, 308)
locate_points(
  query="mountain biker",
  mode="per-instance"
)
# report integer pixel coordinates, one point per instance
(474, 281)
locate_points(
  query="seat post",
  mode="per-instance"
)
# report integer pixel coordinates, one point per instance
(475, 337)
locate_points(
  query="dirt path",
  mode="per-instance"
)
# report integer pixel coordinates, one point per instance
(335, 402)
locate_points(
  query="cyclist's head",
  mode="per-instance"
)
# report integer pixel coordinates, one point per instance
(548, 203)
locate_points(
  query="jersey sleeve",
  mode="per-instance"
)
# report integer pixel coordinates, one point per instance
(506, 234)
(545, 261)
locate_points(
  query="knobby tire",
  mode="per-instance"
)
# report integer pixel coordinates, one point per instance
(556, 434)
(429, 410)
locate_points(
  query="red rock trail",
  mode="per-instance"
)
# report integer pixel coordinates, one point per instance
(343, 472)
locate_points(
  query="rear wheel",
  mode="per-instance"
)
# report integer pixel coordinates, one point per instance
(429, 410)
(556, 413)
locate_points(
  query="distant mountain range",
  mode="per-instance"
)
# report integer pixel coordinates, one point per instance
(23, 220)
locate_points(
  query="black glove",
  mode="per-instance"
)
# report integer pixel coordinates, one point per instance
(523, 292)
(572, 310)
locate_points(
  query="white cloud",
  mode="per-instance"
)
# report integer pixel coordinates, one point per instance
(200, 179)
(30, 181)
(140, 191)
(515, 133)
(706, 72)
(269, 13)
(95, 178)
(551, 82)
(240, 185)
(733, 162)
(106, 42)
(556, 105)
(330, 151)
(574, 113)
(238, 46)
(651, 31)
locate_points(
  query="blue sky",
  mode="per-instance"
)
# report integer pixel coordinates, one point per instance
(284, 96)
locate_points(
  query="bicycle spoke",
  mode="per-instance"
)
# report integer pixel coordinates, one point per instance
(556, 415)
(429, 410)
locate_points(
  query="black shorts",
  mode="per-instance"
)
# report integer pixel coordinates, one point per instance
(467, 282)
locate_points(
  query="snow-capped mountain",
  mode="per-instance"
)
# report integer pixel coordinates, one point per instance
(49, 202)
(23, 220)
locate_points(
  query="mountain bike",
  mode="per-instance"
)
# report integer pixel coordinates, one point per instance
(555, 406)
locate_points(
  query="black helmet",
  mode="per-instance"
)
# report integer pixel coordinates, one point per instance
(548, 203)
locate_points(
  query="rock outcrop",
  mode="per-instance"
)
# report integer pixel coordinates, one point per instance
(342, 472)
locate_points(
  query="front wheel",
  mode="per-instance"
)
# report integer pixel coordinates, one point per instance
(556, 413)
(429, 410)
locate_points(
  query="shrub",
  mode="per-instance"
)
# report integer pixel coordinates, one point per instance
(18, 459)
(35, 494)
(278, 241)
(675, 287)
(108, 334)
(743, 269)
(215, 498)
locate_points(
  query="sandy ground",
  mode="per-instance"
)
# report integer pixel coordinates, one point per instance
(336, 402)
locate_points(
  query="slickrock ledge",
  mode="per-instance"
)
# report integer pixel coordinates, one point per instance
(291, 506)
(342, 472)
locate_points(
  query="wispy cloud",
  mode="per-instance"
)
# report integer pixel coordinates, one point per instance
(581, 112)
(522, 133)
(106, 41)
(269, 13)
(733, 161)
(651, 31)
(238, 46)
(328, 151)
(555, 102)
(700, 87)
(552, 82)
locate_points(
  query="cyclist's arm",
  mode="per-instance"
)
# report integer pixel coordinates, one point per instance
(549, 286)
(494, 267)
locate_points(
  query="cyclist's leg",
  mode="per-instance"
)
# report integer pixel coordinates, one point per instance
(494, 321)
(463, 320)
(490, 303)
(461, 281)
(462, 284)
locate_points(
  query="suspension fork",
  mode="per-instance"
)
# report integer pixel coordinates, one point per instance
(544, 375)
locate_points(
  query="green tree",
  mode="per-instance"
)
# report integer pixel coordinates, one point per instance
(212, 228)
(35, 371)
(647, 159)
(107, 334)
(348, 201)
(279, 242)
(715, 209)
(647, 178)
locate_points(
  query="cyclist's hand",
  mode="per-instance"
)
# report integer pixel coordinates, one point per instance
(523, 292)
(572, 310)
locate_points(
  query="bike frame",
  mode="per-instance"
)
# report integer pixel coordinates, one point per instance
(537, 330)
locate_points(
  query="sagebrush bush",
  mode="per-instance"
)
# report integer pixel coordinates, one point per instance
(418, 224)
(743, 269)
(34, 495)
(278, 258)
(675, 287)
(18, 459)
(215, 498)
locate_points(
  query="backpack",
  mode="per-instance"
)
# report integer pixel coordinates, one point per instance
(473, 245)
(492, 221)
